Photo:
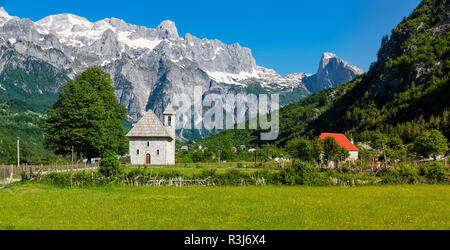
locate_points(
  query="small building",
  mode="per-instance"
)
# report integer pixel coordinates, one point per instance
(184, 148)
(342, 141)
(95, 160)
(151, 141)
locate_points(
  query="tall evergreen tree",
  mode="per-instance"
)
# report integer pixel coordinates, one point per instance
(87, 116)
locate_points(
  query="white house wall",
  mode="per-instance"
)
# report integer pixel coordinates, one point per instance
(353, 155)
(166, 151)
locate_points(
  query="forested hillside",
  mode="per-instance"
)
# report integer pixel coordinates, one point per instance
(404, 93)
(407, 89)
(25, 94)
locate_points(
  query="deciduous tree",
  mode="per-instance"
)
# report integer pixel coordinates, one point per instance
(87, 116)
(431, 143)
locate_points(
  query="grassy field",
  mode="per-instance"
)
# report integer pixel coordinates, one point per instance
(33, 206)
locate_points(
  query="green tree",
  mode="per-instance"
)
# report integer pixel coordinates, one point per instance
(380, 141)
(226, 152)
(109, 165)
(341, 155)
(431, 143)
(301, 149)
(331, 151)
(87, 117)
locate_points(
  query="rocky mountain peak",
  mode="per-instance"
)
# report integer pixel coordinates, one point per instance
(4, 16)
(331, 60)
(326, 57)
(332, 71)
(3, 11)
(167, 30)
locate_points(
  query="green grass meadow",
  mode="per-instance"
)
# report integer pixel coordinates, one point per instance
(35, 206)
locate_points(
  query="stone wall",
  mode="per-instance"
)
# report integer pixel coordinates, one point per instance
(151, 146)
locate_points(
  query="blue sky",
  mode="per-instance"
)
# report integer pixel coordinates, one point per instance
(288, 36)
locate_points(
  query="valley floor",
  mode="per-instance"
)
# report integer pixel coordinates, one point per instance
(33, 206)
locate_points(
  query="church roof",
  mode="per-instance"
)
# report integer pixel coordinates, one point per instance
(149, 126)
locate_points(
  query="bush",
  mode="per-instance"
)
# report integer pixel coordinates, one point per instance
(350, 179)
(289, 177)
(125, 160)
(79, 179)
(434, 172)
(310, 176)
(109, 165)
(233, 178)
(402, 174)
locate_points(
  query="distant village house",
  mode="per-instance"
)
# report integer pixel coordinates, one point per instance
(342, 141)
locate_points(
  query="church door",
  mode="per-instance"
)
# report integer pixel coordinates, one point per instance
(147, 159)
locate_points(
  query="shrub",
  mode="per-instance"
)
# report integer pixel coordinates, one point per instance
(208, 173)
(234, 178)
(80, 179)
(402, 174)
(109, 164)
(350, 179)
(434, 172)
(289, 177)
(125, 160)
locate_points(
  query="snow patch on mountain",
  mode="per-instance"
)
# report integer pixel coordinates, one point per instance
(124, 37)
(231, 78)
(4, 16)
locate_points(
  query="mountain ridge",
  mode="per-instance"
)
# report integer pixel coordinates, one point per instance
(404, 93)
(147, 65)
(132, 52)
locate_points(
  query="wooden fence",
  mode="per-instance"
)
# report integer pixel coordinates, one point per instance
(12, 173)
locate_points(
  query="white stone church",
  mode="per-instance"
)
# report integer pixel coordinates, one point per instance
(151, 141)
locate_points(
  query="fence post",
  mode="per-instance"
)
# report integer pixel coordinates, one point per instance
(71, 168)
(11, 174)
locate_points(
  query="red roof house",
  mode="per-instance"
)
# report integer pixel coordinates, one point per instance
(342, 140)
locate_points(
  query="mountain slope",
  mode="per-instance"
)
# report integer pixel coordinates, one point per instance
(404, 92)
(28, 87)
(407, 89)
(149, 65)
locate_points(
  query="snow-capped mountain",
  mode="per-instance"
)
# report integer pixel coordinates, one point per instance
(149, 65)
